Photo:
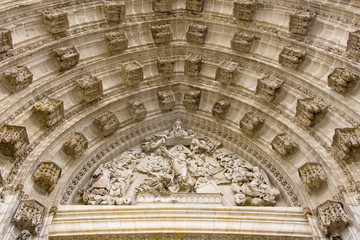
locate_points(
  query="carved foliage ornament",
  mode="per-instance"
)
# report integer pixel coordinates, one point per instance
(292, 57)
(310, 110)
(50, 111)
(29, 216)
(137, 109)
(161, 33)
(312, 175)
(76, 144)
(90, 88)
(251, 123)
(114, 11)
(5, 40)
(192, 66)
(226, 71)
(132, 72)
(269, 87)
(67, 57)
(196, 33)
(221, 108)
(244, 9)
(283, 144)
(192, 98)
(13, 140)
(17, 78)
(56, 21)
(166, 100)
(117, 41)
(341, 80)
(242, 41)
(47, 175)
(300, 21)
(107, 122)
(346, 142)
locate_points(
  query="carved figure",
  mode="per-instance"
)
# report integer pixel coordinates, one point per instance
(90, 88)
(191, 99)
(161, 33)
(17, 78)
(137, 109)
(244, 9)
(132, 73)
(107, 122)
(192, 66)
(312, 175)
(13, 140)
(67, 57)
(301, 21)
(5, 40)
(49, 111)
(226, 71)
(56, 21)
(162, 5)
(242, 41)
(341, 80)
(166, 100)
(269, 87)
(165, 67)
(310, 110)
(47, 175)
(196, 33)
(117, 41)
(346, 142)
(29, 216)
(194, 5)
(251, 123)
(283, 144)
(292, 57)
(332, 217)
(221, 108)
(76, 144)
(114, 11)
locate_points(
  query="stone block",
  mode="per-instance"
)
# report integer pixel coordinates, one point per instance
(196, 33)
(137, 109)
(312, 175)
(342, 81)
(353, 45)
(192, 65)
(56, 21)
(117, 41)
(161, 33)
(332, 217)
(5, 40)
(107, 122)
(269, 87)
(242, 41)
(226, 72)
(310, 110)
(346, 142)
(29, 216)
(17, 78)
(292, 57)
(50, 111)
(165, 67)
(114, 11)
(283, 145)
(301, 21)
(162, 5)
(90, 88)
(67, 57)
(13, 140)
(132, 73)
(244, 9)
(251, 123)
(194, 5)
(47, 175)
(192, 98)
(221, 108)
(166, 100)
(76, 145)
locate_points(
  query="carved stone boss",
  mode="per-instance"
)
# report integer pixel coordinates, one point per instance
(13, 140)
(242, 41)
(29, 216)
(251, 123)
(269, 87)
(226, 71)
(117, 41)
(107, 122)
(90, 88)
(165, 66)
(292, 57)
(166, 100)
(192, 66)
(191, 99)
(137, 109)
(5, 40)
(56, 21)
(221, 108)
(196, 33)
(312, 175)
(50, 111)
(67, 57)
(17, 78)
(161, 33)
(300, 21)
(283, 144)
(310, 110)
(244, 9)
(114, 11)
(346, 142)
(341, 80)
(47, 175)
(76, 145)
(132, 72)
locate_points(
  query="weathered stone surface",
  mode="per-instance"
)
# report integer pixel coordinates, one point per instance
(166, 100)
(346, 142)
(17, 78)
(13, 140)
(56, 21)
(90, 88)
(242, 41)
(310, 110)
(107, 122)
(50, 111)
(283, 144)
(24, 235)
(165, 66)
(76, 145)
(162, 5)
(331, 217)
(301, 21)
(192, 98)
(137, 109)
(312, 175)
(221, 108)
(196, 33)
(269, 87)
(117, 41)
(194, 5)
(67, 57)
(244, 9)
(192, 65)
(353, 45)
(132, 73)
(5, 40)
(29, 216)
(114, 11)
(47, 175)
(226, 71)
(161, 33)
(251, 123)
(292, 57)
(341, 80)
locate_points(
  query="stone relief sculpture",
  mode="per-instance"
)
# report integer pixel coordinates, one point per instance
(283, 144)
(162, 5)
(353, 45)
(244, 9)
(76, 144)
(29, 216)
(251, 123)
(178, 161)
(292, 57)
(341, 80)
(117, 41)
(114, 11)
(312, 175)
(13, 140)
(310, 110)
(346, 142)
(56, 21)
(24, 235)
(161, 33)
(165, 67)
(5, 40)
(90, 88)
(67, 57)
(194, 5)
(137, 109)
(192, 98)
(166, 100)
(221, 108)
(49, 111)
(47, 175)
(17, 78)
(242, 41)
(192, 65)
(332, 217)
(107, 122)
(301, 21)
(226, 71)
(196, 33)
(132, 73)
(269, 87)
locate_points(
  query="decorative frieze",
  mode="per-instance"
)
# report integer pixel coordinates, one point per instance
(50, 111)
(346, 142)
(13, 140)
(353, 45)
(194, 5)
(251, 123)
(5, 40)
(244, 9)
(331, 217)
(226, 71)
(47, 175)
(242, 41)
(107, 122)
(192, 98)
(341, 80)
(192, 65)
(67, 57)
(283, 144)
(17, 78)
(221, 108)
(29, 216)
(312, 175)
(162, 5)
(137, 109)
(196, 33)
(114, 11)
(292, 57)
(165, 66)
(269, 87)
(132, 73)
(90, 88)
(56, 21)
(166, 100)
(310, 110)
(76, 145)
(161, 33)
(117, 41)
(301, 21)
